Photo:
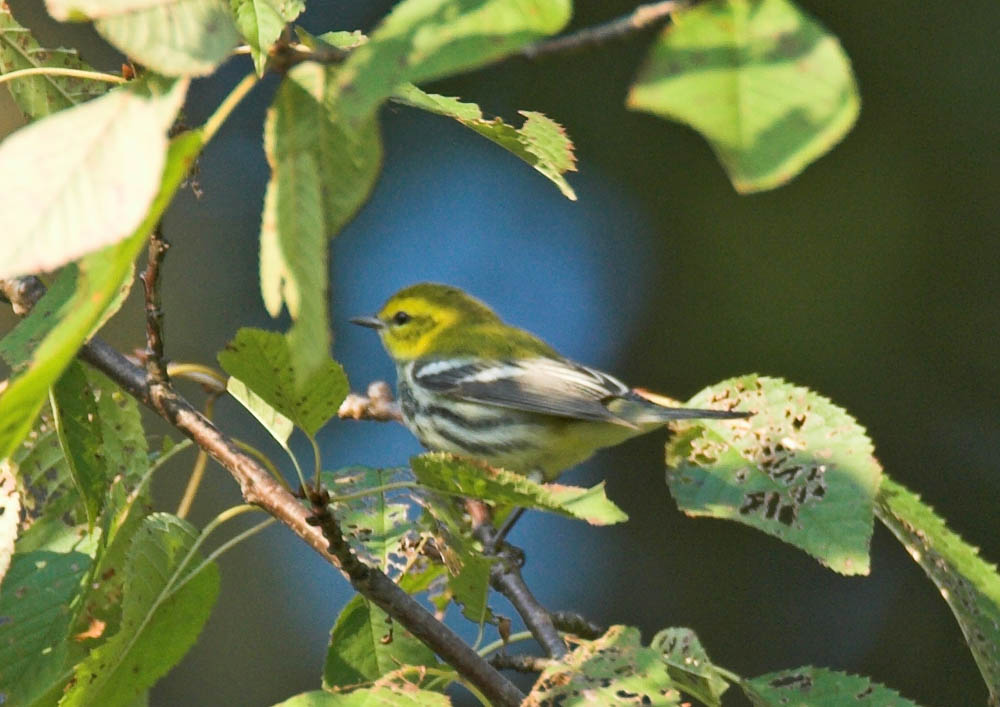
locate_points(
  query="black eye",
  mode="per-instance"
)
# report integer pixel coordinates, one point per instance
(400, 317)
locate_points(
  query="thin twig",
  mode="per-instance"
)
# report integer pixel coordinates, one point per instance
(155, 365)
(259, 488)
(642, 18)
(378, 405)
(520, 663)
(572, 622)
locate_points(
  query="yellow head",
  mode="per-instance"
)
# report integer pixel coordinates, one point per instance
(428, 319)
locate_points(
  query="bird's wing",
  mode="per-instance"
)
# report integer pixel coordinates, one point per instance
(552, 386)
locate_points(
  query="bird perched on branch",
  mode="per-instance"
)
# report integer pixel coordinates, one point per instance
(470, 384)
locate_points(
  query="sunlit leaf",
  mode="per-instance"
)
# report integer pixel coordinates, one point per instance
(970, 585)
(37, 96)
(689, 666)
(10, 509)
(448, 473)
(322, 171)
(380, 696)
(172, 37)
(818, 687)
(800, 469)
(769, 88)
(540, 141)
(83, 178)
(365, 644)
(273, 421)
(614, 669)
(263, 361)
(163, 611)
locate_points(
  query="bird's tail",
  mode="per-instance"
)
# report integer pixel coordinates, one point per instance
(642, 408)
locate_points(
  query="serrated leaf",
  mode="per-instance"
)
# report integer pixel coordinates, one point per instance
(424, 39)
(124, 450)
(767, 86)
(377, 524)
(380, 696)
(261, 23)
(819, 687)
(85, 177)
(447, 473)
(614, 669)
(10, 509)
(34, 621)
(365, 644)
(103, 277)
(689, 666)
(172, 37)
(540, 141)
(800, 469)
(470, 587)
(163, 611)
(17, 346)
(970, 585)
(38, 96)
(78, 427)
(322, 171)
(263, 361)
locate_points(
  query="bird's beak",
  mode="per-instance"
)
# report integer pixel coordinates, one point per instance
(370, 322)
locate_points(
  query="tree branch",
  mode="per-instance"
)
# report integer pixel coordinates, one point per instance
(520, 663)
(155, 364)
(259, 488)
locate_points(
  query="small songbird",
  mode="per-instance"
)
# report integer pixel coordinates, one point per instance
(470, 384)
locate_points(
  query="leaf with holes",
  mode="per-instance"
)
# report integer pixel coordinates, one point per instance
(163, 611)
(800, 469)
(425, 39)
(366, 644)
(35, 615)
(614, 669)
(38, 96)
(767, 86)
(451, 474)
(263, 361)
(540, 141)
(172, 37)
(970, 585)
(376, 524)
(689, 666)
(261, 23)
(382, 696)
(322, 171)
(818, 687)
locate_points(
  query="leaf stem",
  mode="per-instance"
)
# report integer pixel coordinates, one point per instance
(204, 375)
(263, 459)
(230, 102)
(57, 71)
(317, 466)
(198, 470)
(500, 643)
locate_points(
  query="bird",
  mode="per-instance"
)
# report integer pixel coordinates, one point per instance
(470, 384)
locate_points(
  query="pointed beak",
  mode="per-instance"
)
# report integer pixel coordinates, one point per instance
(370, 322)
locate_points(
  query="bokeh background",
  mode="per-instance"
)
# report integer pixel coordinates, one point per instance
(872, 278)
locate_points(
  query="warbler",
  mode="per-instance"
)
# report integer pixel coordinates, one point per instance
(470, 384)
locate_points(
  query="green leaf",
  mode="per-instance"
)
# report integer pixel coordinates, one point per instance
(614, 669)
(98, 292)
(451, 474)
(470, 587)
(10, 509)
(172, 37)
(124, 449)
(365, 644)
(273, 421)
(767, 86)
(377, 524)
(425, 39)
(34, 621)
(16, 347)
(38, 96)
(322, 171)
(540, 141)
(263, 361)
(75, 411)
(379, 696)
(689, 666)
(818, 687)
(163, 611)
(83, 178)
(800, 469)
(970, 585)
(261, 23)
